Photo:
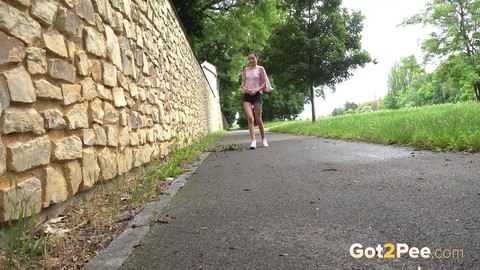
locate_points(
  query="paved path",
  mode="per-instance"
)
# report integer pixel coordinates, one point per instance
(303, 202)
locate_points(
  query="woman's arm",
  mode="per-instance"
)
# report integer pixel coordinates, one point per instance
(265, 81)
(244, 87)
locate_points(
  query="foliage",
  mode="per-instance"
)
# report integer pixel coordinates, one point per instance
(404, 81)
(409, 85)
(229, 30)
(318, 46)
(442, 127)
(349, 107)
(285, 103)
(456, 38)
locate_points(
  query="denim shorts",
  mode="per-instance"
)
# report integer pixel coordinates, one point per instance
(257, 98)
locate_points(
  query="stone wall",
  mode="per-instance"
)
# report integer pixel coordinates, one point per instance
(90, 89)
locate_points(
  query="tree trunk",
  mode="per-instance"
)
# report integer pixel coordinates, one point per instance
(312, 98)
(476, 86)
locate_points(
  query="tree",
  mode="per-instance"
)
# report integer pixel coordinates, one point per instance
(192, 13)
(404, 81)
(318, 46)
(284, 104)
(223, 32)
(456, 37)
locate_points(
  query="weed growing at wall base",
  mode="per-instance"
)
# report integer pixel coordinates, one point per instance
(446, 127)
(22, 243)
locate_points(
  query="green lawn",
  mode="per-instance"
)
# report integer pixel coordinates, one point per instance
(446, 127)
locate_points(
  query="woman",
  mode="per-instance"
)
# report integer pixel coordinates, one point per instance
(254, 81)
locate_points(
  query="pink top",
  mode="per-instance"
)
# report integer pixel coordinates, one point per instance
(256, 78)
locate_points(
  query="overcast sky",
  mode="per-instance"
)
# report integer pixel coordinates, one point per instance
(385, 41)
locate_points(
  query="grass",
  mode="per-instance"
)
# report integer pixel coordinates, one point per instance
(23, 244)
(90, 222)
(446, 127)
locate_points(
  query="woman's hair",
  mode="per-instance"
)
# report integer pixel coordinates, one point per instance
(254, 53)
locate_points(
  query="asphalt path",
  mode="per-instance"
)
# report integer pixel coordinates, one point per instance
(315, 203)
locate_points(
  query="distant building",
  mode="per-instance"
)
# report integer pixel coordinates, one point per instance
(210, 72)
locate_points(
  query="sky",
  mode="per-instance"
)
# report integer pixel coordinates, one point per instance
(386, 42)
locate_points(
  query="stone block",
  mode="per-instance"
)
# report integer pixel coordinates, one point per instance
(19, 24)
(89, 89)
(104, 93)
(25, 195)
(127, 62)
(113, 48)
(126, 8)
(24, 156)
(142, 93)
(84, 9)
(24, 3)
(73, 176)
(142, 155)
(4, 96)
(139, 57)
(134, 120)
(55, 44)
(90, 169)
(128, 29)
(151, 135)
(99, 23)
(21, 120)
(12, 50)
(36, 60)
(68, 3)
(69, 24)
(117, 21)
(123, 80)
(134, 139)
(20, 85)
(88, 137)
(108, 164)
(46, 90)
(96, 113)
(112, 136)
(71, 48)
(111, 114)
(44, 11)
(119, 97)
(109, 74)
(142, 136)
(96, 70)
(77, 116)
(54, 186)
(133, 91)
(3, 158)
(104, 9)
(155, 115)
(100, 135)
(81, 63)
(62, 70)
(94, 42)
(66, 148)
(125, 161)
(53, 119)
(124, 117)
(124, 137)
(71, 93)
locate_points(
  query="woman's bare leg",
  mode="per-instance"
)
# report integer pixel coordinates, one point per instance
(257, 108)
(249, 113)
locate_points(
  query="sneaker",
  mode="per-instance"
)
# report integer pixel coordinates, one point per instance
(265, 143)
(253, 145)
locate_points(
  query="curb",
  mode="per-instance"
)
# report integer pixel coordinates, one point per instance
(118, 251)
